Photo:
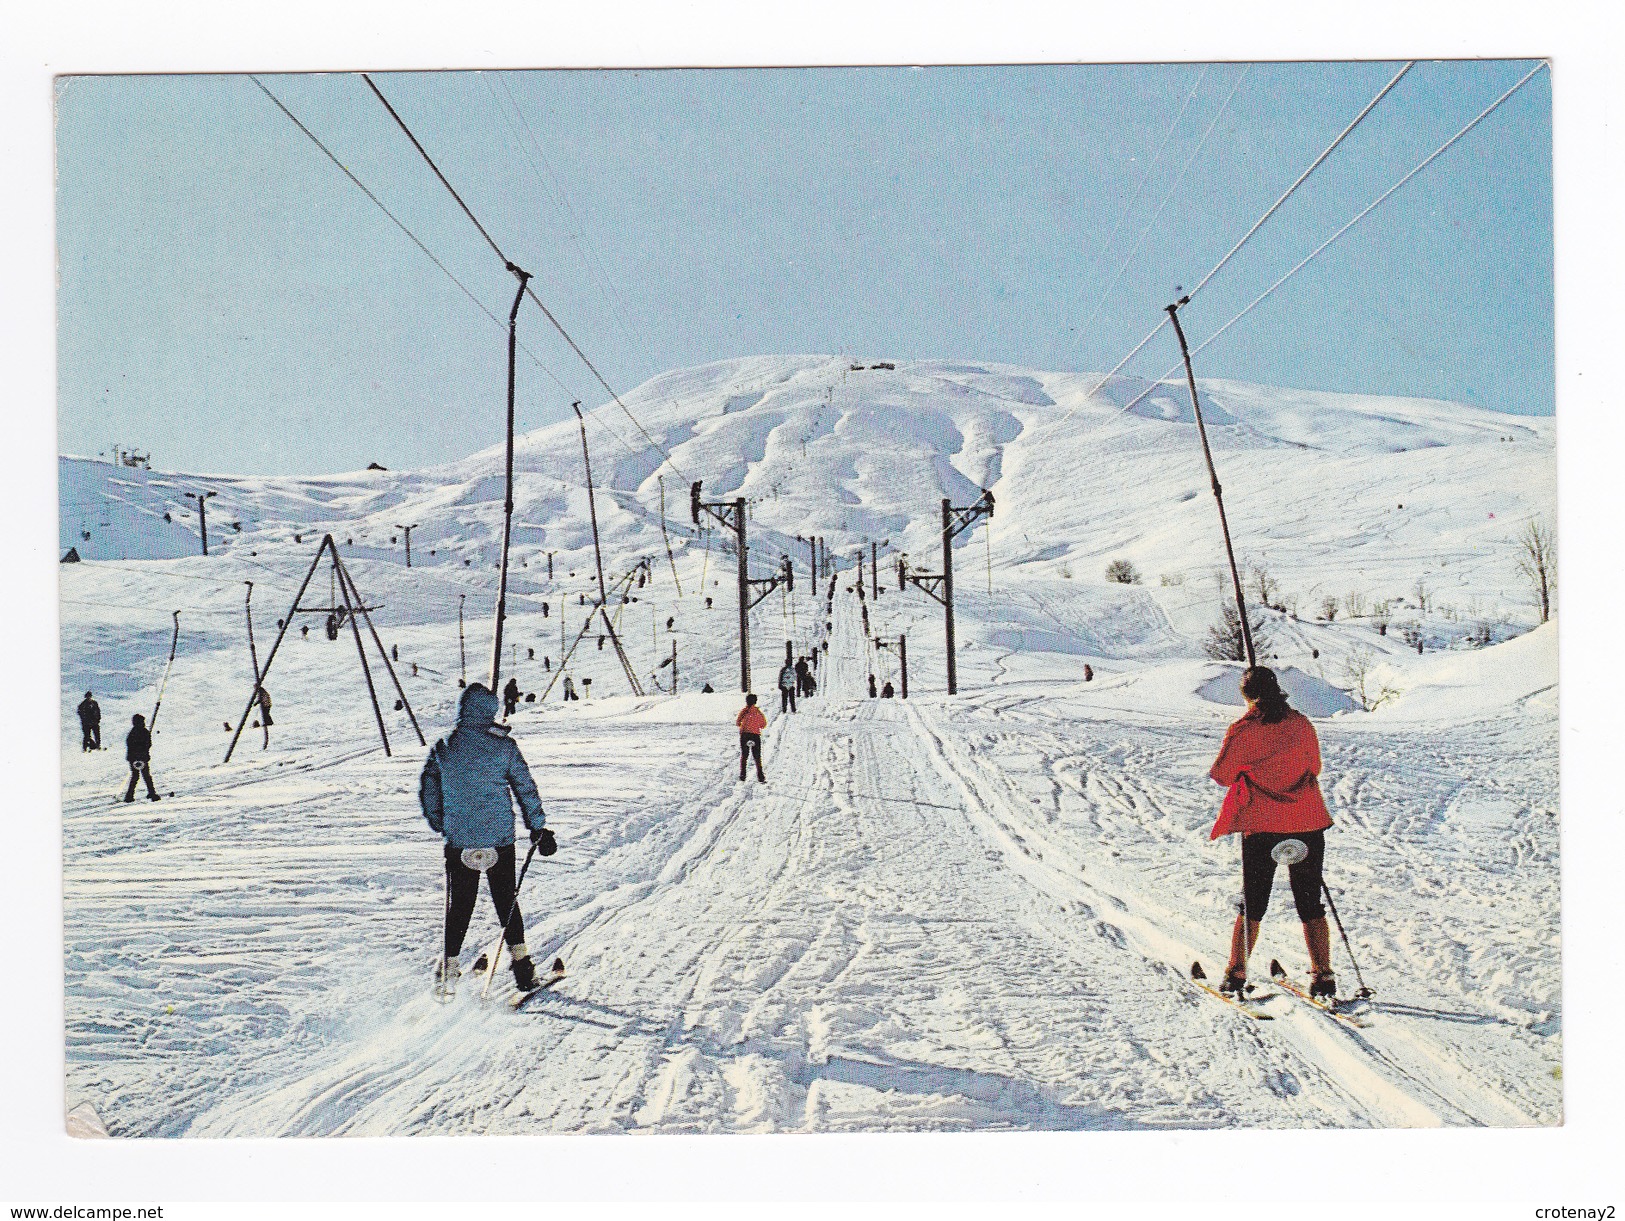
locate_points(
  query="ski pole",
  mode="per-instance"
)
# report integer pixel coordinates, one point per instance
(1327, 890)
(159, 703)
(496, 949)
(441, 993)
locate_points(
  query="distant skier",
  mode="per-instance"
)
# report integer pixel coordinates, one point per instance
(1088, 673)
(787, 688)
(510, 697)
(812, 685)
(570, 689)
(90, 723)
(265, 708)
(888, 692)
(801, 676)
(138, 753)
(872, 692)
(708, 689)
(1270, 761)
(468, 785)
(751, 722)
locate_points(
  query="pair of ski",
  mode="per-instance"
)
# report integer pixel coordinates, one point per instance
(543, 982)
(486, 965)
(1278, 976)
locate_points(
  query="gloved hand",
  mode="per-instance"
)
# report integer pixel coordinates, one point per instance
(544, 841)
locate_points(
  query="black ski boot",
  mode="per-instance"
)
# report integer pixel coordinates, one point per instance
(1323, 987)
(524, 970)
(1234, 985)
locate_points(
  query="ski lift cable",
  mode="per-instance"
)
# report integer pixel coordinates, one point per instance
(1349, 224)
(528, 290)
(480, 305)
(1135, 198)
(399, 224)
(1257, 225)
(1172, 188)
(1313, 166)
(552, 185)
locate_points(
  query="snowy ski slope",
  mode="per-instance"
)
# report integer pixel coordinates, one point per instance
(949, 913)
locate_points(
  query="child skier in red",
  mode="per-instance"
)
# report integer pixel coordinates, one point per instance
(751, 722)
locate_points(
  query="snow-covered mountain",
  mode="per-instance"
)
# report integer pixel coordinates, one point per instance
(1379, 527)
(1334, 493)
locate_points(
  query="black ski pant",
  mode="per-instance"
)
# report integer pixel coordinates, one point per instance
(750, 744)
(140, 769)
(463, 889)
(1258, 873)
(92, 735)
(787, 699)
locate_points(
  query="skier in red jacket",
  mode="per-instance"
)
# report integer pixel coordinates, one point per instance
(751, 722)
(1270, 761)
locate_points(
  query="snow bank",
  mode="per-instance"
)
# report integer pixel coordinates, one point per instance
(1477, 682)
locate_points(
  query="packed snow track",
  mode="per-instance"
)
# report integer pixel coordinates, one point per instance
(893, 934)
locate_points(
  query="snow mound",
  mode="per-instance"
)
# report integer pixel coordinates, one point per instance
(1309, 695)
(1517, 671)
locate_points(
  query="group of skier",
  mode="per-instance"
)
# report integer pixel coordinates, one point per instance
(1269, 764)
(796, 680)
(137, 744)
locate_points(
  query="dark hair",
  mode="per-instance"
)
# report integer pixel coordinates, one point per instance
(751, 698)
(1259, 684)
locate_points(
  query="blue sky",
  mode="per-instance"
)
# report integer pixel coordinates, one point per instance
(229, 300)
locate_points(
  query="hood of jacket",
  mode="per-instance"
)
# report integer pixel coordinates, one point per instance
(478, 707)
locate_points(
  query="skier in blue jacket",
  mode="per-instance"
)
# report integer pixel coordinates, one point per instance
(465, 792)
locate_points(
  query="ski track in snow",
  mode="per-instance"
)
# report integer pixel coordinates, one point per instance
(918, 924)
(939, 914)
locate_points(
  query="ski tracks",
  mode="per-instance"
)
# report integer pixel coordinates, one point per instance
(1390, 1074)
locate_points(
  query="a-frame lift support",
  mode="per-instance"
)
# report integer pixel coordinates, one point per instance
(353, 605)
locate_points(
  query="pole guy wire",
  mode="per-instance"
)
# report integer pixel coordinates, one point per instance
(1349, 224)
(529, 291)
(1257, 225)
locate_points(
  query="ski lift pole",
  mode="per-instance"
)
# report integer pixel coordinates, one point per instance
(1245, 933)
(254, 660)
(507, 500)
(173, 641)
(1213, 475)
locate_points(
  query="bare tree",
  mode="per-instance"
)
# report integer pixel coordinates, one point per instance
(1382, 616)
(1328, 609)
(1354, 604)
(1357, 667)
(1265, 586)
(1538, 563)
(1225, 641)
